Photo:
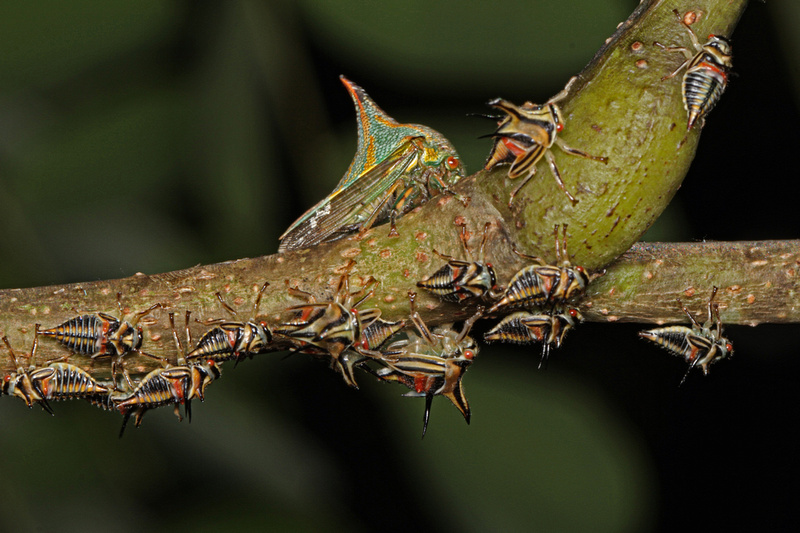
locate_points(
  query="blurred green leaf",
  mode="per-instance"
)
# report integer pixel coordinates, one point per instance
(44, 43)
(516, 41)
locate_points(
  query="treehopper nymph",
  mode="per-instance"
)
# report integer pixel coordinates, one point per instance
(431, 363)
(53, 381)
(526, 328)
(706, 75)
(701, 345)
(525, 134)
(397, 167)
(460, 280)
(541, 285)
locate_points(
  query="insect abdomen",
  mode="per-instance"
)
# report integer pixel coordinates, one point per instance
(703, 86)
(525, 289)
(672, 339)
(156, 389)
(63, 381)
(377, 333)
(84, 334)
(514, 329)
(218, 343)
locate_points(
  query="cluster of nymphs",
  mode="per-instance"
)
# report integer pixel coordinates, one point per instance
(102, 336)
(537, 305)
(432, 362)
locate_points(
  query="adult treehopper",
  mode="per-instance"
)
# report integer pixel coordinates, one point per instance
(397, 167)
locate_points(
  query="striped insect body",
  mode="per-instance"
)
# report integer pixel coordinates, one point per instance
(708, 67)
(64, 381)
(19, 383)
(526, 328)
(527, 133)
(54, 381)
(431, 363)
(201, 373)
(171, 385)
(234, 340)
(87, 334)
(458, 280)
(100, 334)
(396, 168)
(163, 386)
(543, 285)
(701, 345)
(377, 333)
(372, 338)
(330, 328)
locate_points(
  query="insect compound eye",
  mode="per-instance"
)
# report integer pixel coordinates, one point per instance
(211, 363)
(469, 354)
(7, 378)
(354, 311)
(559, 126)
(580, 269)
(573, 313)
(729, 347)
(452, 162)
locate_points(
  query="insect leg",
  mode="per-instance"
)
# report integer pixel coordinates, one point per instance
(563, 93)
(469, 323)
(418, 322)
(574, 151)
(224, 304)
(43, 402)
(692, 34)
(298, 293)
(140, 315)
(526, 256)
(175, 339)
(365, 294)
(551, 161)
(463, 235)
(367, 224)
(520, 186)
(257, 303)
(399, 207)
(692, 319)
(710, 300)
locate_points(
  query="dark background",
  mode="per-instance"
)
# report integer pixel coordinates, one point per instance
(155, 136)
